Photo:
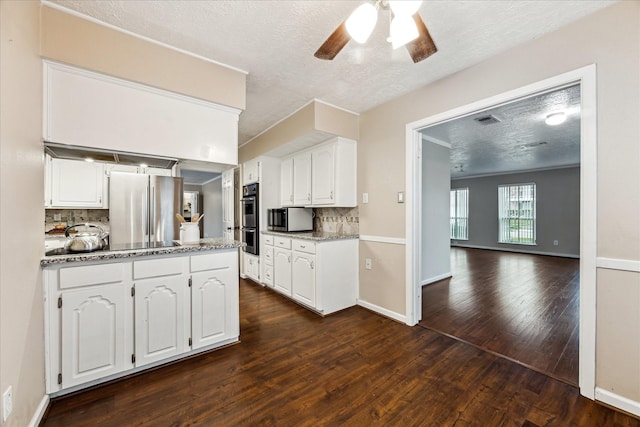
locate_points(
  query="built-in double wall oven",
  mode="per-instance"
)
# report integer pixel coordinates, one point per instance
(250, 219)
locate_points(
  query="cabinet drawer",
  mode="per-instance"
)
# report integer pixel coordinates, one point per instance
(268, 255)
(268, 239)
(282, 242)
(159, 267)
(88, 275)
(304, 246)
(268, 275)
(213, 261)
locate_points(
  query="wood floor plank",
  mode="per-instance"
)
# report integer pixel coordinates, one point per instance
(353, 368)
(525, 307)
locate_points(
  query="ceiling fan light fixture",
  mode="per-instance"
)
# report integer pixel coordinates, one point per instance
(404, 7)
(555, 119)
(403, 30)
(361, 22)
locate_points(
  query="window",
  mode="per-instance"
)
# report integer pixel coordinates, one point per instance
(459, 214)
(517, 214)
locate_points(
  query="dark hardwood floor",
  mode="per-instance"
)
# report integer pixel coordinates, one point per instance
(353, 368)
(525, 307)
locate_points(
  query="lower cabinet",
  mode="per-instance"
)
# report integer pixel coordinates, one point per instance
(251, 266)
(282, 271)
(161, 318)
(93, 333)
(105, 319)
(322, 275)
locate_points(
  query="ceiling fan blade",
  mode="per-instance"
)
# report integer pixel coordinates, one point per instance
(422, 47)
(334, 44)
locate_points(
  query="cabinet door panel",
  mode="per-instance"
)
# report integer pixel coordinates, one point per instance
(286, 182)
(93, 334)
(323, 175)
(304, 278)
(302, 179)
(76, 184)
(214, 302)
(161, 318)
(282, 271)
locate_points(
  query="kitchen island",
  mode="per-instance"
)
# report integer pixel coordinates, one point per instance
(112, 313)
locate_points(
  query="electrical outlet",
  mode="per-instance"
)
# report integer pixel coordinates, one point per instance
(365, 197)
(367, 263)
(7, 403)
(400, 196)
(57, 217)
(555, 243)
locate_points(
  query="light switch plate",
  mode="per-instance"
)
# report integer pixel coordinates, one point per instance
(400, 196)
(365, 197)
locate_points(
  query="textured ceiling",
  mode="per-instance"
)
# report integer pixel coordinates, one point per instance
(274, 42)
(520, 140)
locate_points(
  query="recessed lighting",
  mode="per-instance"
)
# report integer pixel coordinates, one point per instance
(88, 159)
(555, 119)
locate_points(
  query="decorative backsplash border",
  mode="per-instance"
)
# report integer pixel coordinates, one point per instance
(336, 220)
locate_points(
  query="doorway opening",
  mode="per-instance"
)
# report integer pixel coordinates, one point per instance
(501, 187)
(585, 78)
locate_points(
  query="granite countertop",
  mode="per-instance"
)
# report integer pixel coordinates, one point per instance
(204, 245)
(318, 236)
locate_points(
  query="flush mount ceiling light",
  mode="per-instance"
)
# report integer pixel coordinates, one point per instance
(555, 119)
(406, 29)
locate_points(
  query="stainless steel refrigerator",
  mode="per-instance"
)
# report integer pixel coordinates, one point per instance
(142, 210)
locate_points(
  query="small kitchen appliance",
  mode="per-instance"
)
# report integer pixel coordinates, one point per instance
(290, 219)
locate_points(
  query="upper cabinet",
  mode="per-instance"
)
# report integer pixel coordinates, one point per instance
(74, 183)
(88, 109)
(251, 172)
(324, 175)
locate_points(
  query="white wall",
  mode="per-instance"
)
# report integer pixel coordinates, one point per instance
(436, 177)
(21, 209)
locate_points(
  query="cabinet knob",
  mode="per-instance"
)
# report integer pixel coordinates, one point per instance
(331, 195)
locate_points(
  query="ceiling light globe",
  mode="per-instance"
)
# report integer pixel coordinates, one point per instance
(555, 119)
(403, 30)
(404, 7)
(361, 22)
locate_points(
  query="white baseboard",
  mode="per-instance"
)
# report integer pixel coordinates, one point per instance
(620, 402)
(40, 410)
(435, 278)
(383, 311)
(520, 251)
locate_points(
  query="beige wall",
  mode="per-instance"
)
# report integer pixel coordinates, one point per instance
(21, 209)
(315, 118)
(610, 39)
(85, 44)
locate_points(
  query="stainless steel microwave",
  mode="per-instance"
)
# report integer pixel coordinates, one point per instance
(290, 219)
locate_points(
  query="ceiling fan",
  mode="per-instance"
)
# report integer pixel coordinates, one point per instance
(406, 29)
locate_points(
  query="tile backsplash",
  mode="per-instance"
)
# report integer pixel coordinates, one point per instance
(94, 216)
(336, 220)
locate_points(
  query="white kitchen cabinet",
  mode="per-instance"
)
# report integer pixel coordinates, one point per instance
(303, 278)
(302, 179)
(322, 275)
(90, 109)
(323, 175)
(251, 266)
(214, 298)
(266, 258)
(334, 173)
(282, 271)
(103, 319)
(251, 171)
(161, 318)
(94, 325)
(75, 184)
(286, 182)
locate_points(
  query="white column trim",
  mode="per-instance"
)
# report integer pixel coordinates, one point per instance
(40, 411)
(618, 264)
(617, 401)
(383, 311)
(383, 239)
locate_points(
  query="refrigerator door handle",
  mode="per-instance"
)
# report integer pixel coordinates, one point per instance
(152, 214)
